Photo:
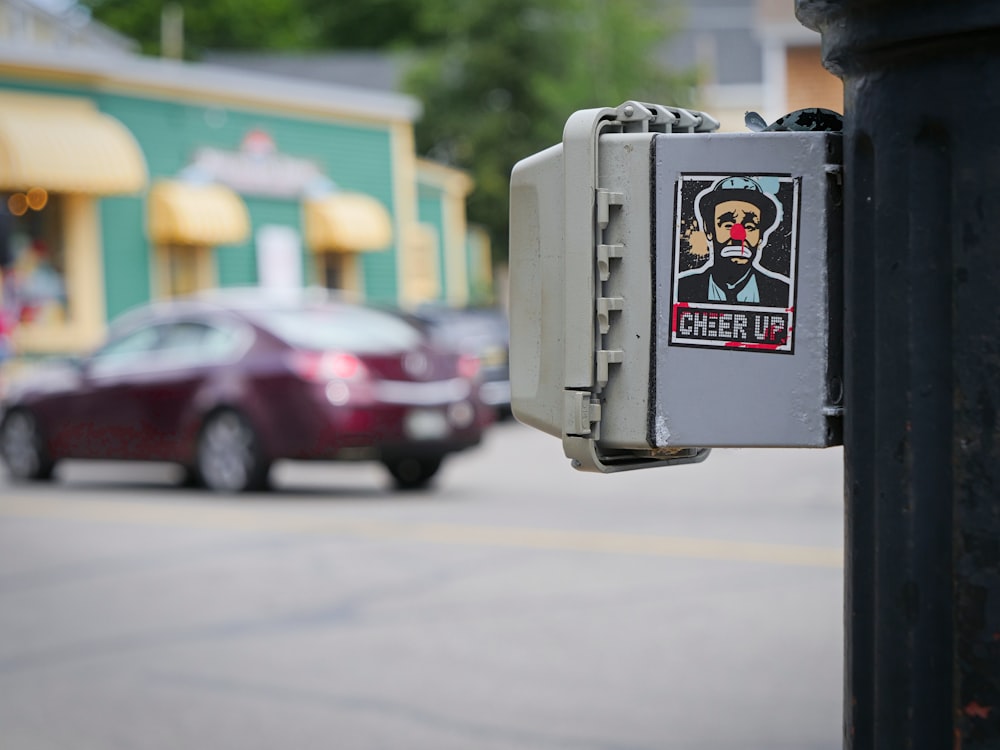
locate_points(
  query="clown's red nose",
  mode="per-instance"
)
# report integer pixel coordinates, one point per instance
(738, 232)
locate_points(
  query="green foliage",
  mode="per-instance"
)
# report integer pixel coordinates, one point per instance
(507, 73)
(287, 25)
(368, 24)
(213, 24)
(497, 78)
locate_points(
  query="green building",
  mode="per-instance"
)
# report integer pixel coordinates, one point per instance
(126, 178)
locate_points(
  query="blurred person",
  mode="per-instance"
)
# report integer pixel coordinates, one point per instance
(39, 286)
(6, 337)
(8, 295)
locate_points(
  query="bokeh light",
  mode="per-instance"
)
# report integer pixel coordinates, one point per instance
(17, 204)
(37, 198)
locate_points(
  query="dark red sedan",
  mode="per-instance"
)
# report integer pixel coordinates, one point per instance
(228, 383)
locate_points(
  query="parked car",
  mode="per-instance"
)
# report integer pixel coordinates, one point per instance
(482, 331)
(227, 383)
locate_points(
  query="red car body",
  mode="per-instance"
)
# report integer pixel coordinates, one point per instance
(299, 378)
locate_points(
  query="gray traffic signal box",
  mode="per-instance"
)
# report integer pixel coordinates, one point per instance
(675, 289)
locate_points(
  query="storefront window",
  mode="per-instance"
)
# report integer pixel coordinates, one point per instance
(186, 269)
(330, 268)
(183, 269)
(32, 258)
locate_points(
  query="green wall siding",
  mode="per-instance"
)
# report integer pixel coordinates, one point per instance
(236, 265)
(430, 210)
(380, 280)
(126, 254)
(354, 157)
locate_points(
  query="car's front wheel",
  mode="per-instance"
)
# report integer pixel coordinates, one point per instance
(229, 457)
(412, 473)
(23, 449)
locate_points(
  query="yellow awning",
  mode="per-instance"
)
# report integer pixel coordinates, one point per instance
(65, 145)
(186, 214)
(347, 222)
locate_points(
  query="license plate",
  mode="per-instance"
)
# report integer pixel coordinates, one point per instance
(426, 424)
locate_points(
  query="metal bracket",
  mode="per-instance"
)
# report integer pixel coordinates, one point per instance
(604, 255)
(604, 307)
(588, 361)
(605, 200)
(581, 413)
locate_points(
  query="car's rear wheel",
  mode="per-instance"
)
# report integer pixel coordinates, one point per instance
(412, 473)
(229, 457)
(23, 449)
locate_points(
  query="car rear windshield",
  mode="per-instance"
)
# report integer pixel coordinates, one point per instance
(351, 329)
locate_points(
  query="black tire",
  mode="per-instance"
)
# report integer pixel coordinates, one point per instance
(23, 448)
(190, 478)
(411, 473)
(228, 455)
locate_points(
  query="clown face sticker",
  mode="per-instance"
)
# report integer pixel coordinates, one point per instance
(734, 258)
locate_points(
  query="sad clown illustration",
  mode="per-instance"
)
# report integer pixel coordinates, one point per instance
(734, 261)
(736, 217)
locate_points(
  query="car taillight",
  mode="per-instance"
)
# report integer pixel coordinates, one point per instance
(322, 366)
(468, 365)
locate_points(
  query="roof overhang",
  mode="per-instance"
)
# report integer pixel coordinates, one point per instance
(142, 75)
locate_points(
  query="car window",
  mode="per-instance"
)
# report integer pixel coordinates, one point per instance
(354, 329)
(188, 342)
(482, 332)
(181, 338)
(125, 352)
(165, 346)
(220, 343)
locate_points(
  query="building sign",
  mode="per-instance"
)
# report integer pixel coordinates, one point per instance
(734, 262)
(258, 169)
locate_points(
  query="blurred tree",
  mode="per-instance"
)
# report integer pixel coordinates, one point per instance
(370, 24)
(506, 74)
(212, 24)
(298, 25)
(497, 78)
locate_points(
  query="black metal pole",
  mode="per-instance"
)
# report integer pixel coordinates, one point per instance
(922, 367)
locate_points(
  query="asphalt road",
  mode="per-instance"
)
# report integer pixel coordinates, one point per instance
(519, 605)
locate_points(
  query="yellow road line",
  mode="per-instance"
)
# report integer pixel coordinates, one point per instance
(248, 519)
